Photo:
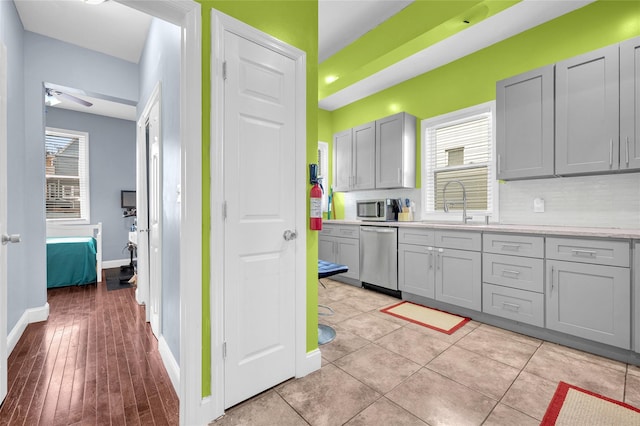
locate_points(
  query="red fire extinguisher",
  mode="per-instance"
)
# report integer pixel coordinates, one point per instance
(315, 211)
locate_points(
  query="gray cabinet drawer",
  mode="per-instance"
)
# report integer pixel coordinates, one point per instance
(328, 230)
(459, 240)
(602, 252)
(347, 231)
(523, 273)
(517, 305)
(516, 245)
(422, 237)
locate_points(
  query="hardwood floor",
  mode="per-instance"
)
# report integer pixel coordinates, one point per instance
(94, 361)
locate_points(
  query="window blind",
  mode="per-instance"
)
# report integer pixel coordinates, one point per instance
(460, 150)
(66, 173)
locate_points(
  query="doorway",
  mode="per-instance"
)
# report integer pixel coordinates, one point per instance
(149, 202)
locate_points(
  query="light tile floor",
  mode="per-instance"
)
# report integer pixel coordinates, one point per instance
(381, 370)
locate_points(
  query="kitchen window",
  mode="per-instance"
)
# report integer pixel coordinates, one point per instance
(459, 146)
(67, 175)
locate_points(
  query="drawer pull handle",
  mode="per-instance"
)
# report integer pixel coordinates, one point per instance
(511, 306)
(579, 252)
(510, 246)
(509, 271)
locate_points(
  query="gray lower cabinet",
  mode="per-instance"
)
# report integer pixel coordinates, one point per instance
(416, 270)
(442, 272)
(588, 289)
(458, 278)
(341, 244)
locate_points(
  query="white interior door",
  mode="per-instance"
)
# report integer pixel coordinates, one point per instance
(3, 222)
(259, 244)
(155, 220)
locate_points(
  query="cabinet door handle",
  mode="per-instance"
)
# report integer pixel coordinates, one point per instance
(552, 273)
(439, 258)
(511, 306)
(610, 152)
(627, 151)
(510, 246)
(578, 252)
(430, 257)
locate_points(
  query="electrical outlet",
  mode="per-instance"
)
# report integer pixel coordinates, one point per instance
(538, 205)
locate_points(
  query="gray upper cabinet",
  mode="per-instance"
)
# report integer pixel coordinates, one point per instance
(396, 151)
(379, 154)
(525, 130)
(342, 160)
(587, 113)
(364, 156)
(630, 104)
(354, 158)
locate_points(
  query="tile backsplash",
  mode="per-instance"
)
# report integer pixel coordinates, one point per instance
(603, 201)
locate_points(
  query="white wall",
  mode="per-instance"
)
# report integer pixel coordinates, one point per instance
(19, 267)
(160, 61)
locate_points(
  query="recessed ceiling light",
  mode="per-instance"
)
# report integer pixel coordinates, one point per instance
(330, 79)
(93, 2)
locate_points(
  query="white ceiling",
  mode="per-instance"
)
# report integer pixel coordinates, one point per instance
(341, 22)
(109, 28)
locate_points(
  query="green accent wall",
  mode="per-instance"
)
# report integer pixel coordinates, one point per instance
(295, 22)
(471, 80)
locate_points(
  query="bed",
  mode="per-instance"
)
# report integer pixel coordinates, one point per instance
(74, 254)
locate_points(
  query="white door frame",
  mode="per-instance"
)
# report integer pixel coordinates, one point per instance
(143, 290)
(305, 362)
(194, 409)
(3, 220)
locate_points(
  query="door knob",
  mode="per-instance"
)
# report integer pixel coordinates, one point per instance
(13, 238)
(289, 235)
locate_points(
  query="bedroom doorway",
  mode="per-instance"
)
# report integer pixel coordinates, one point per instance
(149, 202)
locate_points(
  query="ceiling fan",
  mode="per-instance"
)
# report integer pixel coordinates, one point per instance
(52, 97)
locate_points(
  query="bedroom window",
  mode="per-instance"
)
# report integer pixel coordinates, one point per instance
(67, 175)
(459, 147)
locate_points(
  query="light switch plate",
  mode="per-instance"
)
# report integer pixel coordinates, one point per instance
(538, 205)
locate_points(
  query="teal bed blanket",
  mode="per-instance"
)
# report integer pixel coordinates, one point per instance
(71, 261)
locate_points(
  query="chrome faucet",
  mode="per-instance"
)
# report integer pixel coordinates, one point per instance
(464, 200)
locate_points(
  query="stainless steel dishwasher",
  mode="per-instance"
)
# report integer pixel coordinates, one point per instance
(379, 256)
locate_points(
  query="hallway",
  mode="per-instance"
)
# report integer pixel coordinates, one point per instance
(95, 361)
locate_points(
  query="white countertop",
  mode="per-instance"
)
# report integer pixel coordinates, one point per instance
(519, 229)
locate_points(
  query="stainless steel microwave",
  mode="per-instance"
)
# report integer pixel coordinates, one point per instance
(380, 210)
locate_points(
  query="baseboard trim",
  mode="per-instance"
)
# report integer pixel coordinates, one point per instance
(29, 316)
(115, 263)
(311, 362)
(170, 364)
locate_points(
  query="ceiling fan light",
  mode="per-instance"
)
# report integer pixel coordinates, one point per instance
(51, 100)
